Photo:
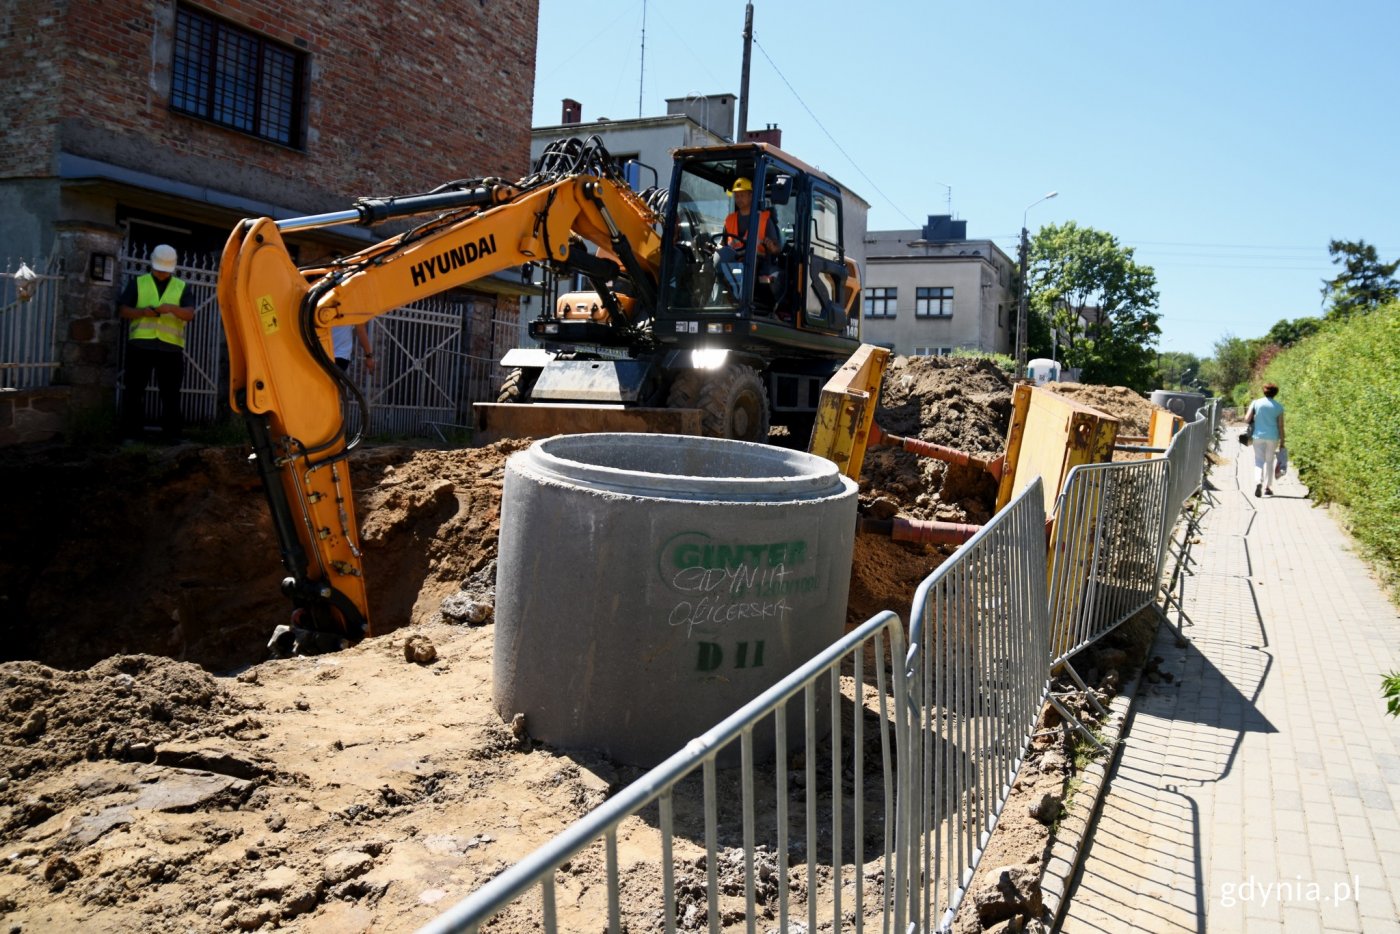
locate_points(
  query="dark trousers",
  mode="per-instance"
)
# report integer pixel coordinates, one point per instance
(169, 369)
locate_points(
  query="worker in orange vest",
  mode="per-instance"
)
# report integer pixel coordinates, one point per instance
(736, 232)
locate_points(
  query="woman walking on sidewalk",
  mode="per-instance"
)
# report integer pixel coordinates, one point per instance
(1265, 420)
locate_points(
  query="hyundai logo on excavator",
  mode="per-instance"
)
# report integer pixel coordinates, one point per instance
(455, 258)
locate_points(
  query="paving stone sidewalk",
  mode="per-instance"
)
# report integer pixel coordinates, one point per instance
(1260, 790)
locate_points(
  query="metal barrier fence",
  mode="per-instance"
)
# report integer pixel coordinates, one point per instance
(839, 734)
(1105, 551)
(28, 316)
(987, 628)
(979, 664)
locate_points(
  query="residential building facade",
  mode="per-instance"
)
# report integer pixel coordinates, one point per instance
(931, 291)
(138, 122)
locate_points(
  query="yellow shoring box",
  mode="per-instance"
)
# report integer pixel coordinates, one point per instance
(1163, 428)
(1050, 434)
(846, 410)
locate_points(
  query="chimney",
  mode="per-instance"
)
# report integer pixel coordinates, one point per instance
(573, 111)
(772, 136)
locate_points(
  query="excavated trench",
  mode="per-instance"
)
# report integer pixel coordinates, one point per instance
(129, 580)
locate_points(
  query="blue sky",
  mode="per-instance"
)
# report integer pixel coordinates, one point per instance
(1226, 142)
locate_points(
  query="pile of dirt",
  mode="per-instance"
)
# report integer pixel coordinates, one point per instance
(120, 709)
(954, 402)
(1134, 413)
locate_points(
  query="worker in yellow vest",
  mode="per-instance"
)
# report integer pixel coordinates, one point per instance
(159, 306)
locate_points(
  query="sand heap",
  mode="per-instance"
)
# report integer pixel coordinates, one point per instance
(958, 403)
(1134, 413)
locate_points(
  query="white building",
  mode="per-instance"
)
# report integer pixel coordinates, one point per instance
(932, 291)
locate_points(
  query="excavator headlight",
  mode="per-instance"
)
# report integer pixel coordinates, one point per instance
(551, 329)
(711, 359)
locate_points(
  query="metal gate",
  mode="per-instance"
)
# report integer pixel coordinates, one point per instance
(28, 312)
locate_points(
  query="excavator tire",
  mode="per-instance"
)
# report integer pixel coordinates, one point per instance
(517, 385)
(734, 404)
(685, 390)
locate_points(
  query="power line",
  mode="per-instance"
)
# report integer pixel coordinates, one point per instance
(834, 142)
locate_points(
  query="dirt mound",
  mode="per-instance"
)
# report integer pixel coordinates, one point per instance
(1134, 413)
(957, 403)
(118, 709)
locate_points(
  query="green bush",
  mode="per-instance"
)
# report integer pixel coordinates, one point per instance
(1005, 363)
(1341, 390)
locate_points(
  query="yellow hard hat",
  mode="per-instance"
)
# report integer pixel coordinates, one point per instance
(741, 184)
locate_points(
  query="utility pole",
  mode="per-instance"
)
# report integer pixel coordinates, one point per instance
(1021, 325)
(1021, 310)
(744, 76)
(642, 72)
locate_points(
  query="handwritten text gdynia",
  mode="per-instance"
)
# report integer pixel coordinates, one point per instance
(730, 582)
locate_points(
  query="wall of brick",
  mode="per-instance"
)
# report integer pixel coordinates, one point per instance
(402, 96)
(31, 61)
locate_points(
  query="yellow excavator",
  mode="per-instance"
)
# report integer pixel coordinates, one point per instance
(709, 321)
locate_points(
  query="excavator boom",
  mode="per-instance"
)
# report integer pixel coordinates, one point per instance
(285, 384)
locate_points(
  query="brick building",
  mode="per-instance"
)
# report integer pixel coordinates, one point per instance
(136, 122)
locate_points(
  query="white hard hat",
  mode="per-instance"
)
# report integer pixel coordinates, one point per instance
(163, 258)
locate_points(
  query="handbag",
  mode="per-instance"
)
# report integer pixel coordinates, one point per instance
(1281, 463)
(1246, 437)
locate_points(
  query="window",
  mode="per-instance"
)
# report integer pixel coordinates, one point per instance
(236, 78)
(932, 351)
(933, 303)
(881, 303)
(826, 223)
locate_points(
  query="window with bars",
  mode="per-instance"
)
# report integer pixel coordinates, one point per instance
(933, 303)
(881, 302)
(236, 78)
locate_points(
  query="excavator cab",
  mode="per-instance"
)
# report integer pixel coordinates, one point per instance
(781, 260)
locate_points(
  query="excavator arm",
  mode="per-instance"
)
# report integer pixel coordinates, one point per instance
(285, 384)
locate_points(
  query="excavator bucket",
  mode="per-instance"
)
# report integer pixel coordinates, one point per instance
(497, 420)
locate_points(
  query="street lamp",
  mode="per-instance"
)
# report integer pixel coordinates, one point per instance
(1021, 299)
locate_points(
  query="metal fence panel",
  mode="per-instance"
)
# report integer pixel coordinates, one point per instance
(1105, 551)
(979, 664)
(830, 782)
(28, 319)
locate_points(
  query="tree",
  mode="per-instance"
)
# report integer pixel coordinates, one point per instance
(1177, 370)
(1230, 368)
(1099, 300)
(1365, 283)
(1287, 333)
